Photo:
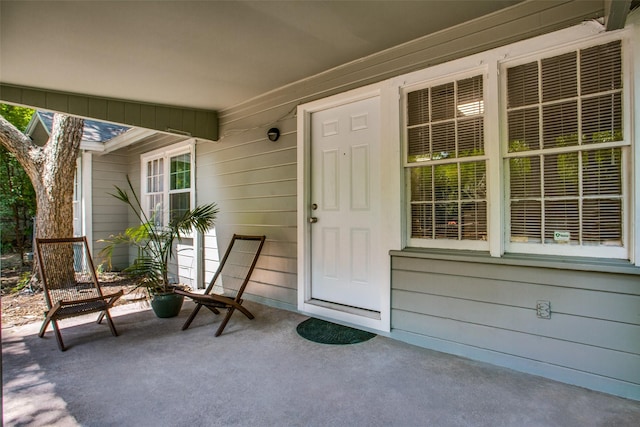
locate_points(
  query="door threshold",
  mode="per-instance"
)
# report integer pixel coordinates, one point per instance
(371, 314)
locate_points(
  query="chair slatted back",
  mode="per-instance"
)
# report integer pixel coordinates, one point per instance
(237, 264)
(67, 270)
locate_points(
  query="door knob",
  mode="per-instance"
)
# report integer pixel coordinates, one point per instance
(313, 219)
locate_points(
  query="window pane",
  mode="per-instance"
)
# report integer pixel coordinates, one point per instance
(561, 174)
(471, 137)
(524, 177)
(445, 178)
(418, 145)
(559, 77)
(447, 220)
(473, 180)
(443, 140)
(181, 172)
(602, 172)
(561, 216)
(526, 221)
(418, 107)
(474, 221)
(560, 124)
(602, 222)
(179, 204)
(155, 176)
(601, 68)
(522, 85)
(421, 184)
(156, 209)
(524, 130)
(422, 221)
(470, 97)
(442, 102)
(602, 118)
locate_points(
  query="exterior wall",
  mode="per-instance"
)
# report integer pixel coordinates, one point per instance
(109, 216)
(253, 182)
(472, 305)
(483, 308)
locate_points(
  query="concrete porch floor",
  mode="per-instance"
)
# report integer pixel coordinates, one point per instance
(261, 373)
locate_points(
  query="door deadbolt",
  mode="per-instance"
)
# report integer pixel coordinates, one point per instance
(314, 206)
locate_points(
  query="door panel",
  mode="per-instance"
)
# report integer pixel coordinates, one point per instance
(345, 144)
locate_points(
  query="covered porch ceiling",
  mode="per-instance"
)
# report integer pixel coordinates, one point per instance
(201, 57)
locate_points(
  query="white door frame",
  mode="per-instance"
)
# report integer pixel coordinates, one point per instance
(390, 199)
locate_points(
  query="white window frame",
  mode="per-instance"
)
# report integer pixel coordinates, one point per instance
(166, 153)
(407, 166)
(494, 64)
(625, 145)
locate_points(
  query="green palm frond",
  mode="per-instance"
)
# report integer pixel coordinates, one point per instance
(155, 243)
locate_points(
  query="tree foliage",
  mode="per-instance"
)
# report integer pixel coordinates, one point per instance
(17, 196)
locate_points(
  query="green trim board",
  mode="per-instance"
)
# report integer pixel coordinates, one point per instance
(188, 121)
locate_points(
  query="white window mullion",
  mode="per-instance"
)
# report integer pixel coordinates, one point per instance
(492, 146)
(166, 206)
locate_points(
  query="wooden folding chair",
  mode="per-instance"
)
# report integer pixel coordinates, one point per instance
(229, 281)
(71, 287)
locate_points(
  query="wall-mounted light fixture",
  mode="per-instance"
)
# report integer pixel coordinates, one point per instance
(273, 134)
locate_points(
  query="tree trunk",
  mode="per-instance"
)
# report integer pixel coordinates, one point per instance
(54, 194)
(51, 169)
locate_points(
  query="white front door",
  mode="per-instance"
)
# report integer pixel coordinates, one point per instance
(345, 204)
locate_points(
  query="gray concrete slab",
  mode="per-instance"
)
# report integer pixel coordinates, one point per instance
(261, 373)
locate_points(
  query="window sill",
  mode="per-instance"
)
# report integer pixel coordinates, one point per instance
(615, 266)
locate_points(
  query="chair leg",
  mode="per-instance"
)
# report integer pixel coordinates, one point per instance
(48, 318)
(43, 329)
(110, 321)
(56, 329)
(192, 316)
(100, 317)
(230, 311)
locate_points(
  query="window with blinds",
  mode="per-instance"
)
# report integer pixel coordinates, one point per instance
(565, 149)
(446, 164)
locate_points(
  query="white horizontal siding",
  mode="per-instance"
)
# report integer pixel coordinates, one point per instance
(109, 215)
(593, 330)
(253, 182)
(520, 290)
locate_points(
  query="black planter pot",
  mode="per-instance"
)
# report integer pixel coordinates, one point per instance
(166, 305)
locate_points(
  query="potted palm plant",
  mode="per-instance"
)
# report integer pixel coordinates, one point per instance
(156, 248)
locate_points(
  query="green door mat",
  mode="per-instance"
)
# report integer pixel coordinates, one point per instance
(324, 332)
